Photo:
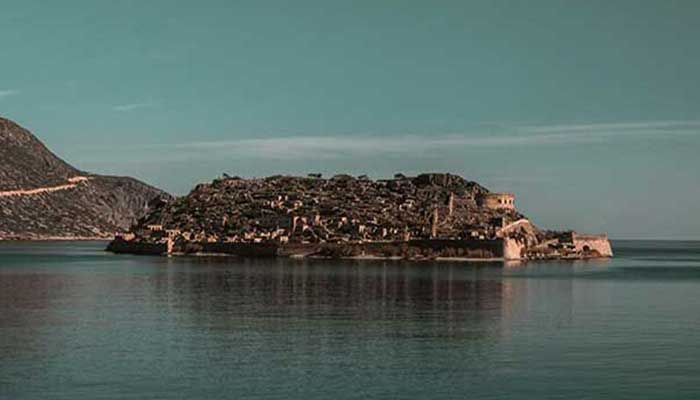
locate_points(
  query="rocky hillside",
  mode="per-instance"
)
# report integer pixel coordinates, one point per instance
(26, 162)
(42, 196)
(342, 208)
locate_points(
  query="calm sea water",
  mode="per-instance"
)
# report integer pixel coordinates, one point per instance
(78, 323)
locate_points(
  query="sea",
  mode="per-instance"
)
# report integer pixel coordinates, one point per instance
(77, 322)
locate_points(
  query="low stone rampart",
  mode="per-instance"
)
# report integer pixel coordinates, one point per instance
(241, 249)
(121, 246)
(414, 249)
(592, 243)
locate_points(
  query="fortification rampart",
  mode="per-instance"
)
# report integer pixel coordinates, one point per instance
(513, 249)
(591, 244)
(412, 249)
(418, 249)
(121, 246)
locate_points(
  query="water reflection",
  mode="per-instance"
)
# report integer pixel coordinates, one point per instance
(226, 302)
(26, 306)
(75, 322)
(449, 299)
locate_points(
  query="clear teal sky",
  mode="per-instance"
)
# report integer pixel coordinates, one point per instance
(588, 110)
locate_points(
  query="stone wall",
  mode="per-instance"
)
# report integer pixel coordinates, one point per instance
(417, 249)
(513, 249)
(412, 249)
(240, 249)
(592, 243)
(121, 246)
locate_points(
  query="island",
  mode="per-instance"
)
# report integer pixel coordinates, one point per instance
(437, 216)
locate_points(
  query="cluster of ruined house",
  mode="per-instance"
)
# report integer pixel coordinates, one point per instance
(339, 209)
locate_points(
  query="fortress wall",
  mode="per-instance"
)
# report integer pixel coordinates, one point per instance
(599, 243)
(427, 248)
(239, 249)
(485, 249)
(521, 224)
(121, 246)
(512, 249)
(299, 249)
(424, 248)
(490, 248)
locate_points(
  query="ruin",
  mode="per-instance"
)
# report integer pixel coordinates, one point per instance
(496, 200)
(427, 216)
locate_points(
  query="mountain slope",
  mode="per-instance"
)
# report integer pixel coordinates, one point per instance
(42, 196)
(26, 162)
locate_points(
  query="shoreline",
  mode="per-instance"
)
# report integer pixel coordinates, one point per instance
(358, 258)
(499, 260)
(447, 260)
(451, 250)
(58, 239)
(363, 257)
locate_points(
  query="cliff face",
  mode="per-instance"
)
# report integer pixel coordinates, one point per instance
(42, 196)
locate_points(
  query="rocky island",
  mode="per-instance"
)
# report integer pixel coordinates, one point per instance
(429, 216)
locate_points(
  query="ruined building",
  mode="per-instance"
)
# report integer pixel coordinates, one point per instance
(496, 201)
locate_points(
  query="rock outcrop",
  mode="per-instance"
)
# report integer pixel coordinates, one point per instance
(43, 197)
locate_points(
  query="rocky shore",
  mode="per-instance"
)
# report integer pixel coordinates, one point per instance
(429, 216)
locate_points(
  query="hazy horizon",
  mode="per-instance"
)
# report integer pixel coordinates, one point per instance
(588, 112)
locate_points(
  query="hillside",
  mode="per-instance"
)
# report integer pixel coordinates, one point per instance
(335, 209)
(26, 162)
(42, 196)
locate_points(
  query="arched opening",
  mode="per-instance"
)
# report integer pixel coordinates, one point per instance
(586, 248)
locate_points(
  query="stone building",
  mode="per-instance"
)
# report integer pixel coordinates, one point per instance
(496, 201)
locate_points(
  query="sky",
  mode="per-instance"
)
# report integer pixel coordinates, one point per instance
(588, 111)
